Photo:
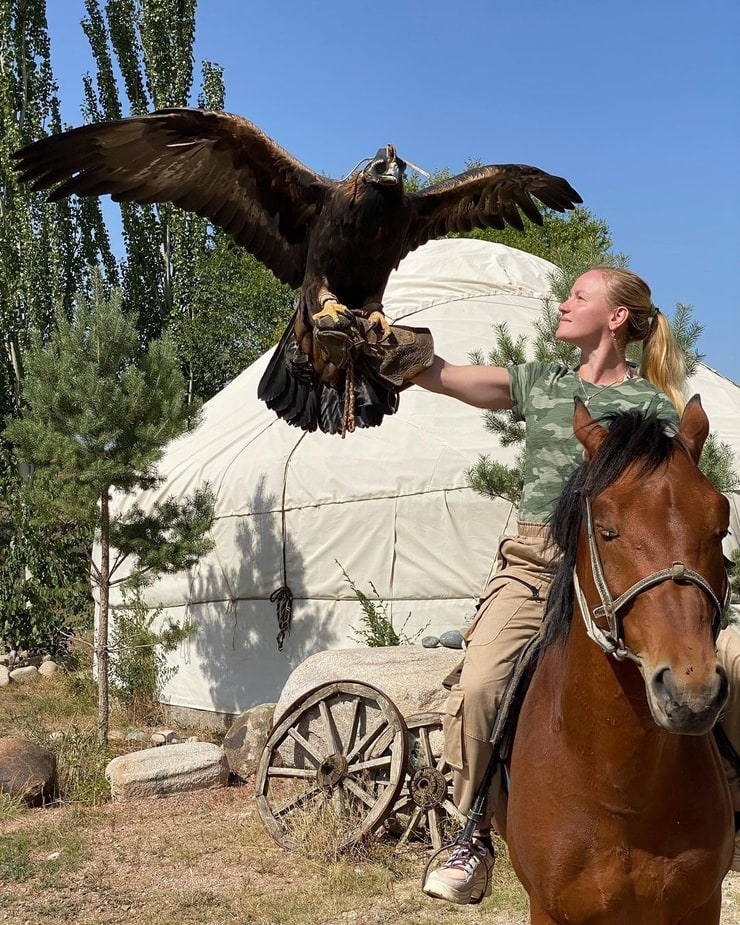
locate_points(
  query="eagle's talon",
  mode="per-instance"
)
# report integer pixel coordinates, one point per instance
(380, 319)
(331, 309)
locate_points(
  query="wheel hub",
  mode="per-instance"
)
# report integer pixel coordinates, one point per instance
(428, 787)
(331, 770)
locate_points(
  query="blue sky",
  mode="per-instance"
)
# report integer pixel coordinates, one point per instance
(636, 103)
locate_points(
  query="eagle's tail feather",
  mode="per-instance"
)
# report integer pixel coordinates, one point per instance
(291, 388)
(373, 401)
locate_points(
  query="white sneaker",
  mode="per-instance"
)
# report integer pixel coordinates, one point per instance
(465, 877)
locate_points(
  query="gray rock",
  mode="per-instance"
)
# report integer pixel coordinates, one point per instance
(26, 675)
(4, 676)
(410, 676)
(27, 770)
(48, 668)
(165, 737)
(246, 738)
(452, 639)
(136, 735)
(160, 772)
(430, 642)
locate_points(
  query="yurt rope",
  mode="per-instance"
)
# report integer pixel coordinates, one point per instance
(283, 597)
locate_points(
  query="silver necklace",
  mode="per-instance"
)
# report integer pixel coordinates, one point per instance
(587, 397)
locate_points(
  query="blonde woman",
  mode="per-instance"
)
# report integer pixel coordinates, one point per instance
(607, 309)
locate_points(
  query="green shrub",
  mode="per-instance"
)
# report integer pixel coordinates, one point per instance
(138, 661)
(377, 627)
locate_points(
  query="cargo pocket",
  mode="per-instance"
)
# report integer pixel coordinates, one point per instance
(453, 678)
(484, 602)
(452, 726)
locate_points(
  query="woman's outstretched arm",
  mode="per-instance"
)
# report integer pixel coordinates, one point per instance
(481, 386)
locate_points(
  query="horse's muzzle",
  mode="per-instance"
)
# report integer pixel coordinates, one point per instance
(687, 708)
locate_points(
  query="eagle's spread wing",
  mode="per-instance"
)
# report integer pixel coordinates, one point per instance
(485, 197)
(216, 164)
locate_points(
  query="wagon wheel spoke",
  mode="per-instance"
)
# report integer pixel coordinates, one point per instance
(412, 823)
(452, 810)
(298, 802)
(295, 773)
(424, 808)
(373, 763)
(299, 740)
(369, 799)
(334, 763)
(434, 827)
(339, 800)
(334, 744)
(370, 739)
(426, 748)
(352, 724)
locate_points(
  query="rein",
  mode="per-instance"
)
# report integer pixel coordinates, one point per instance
(611, 641)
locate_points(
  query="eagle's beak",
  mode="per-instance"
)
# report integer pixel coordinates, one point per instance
(385, 169)
(392, 173)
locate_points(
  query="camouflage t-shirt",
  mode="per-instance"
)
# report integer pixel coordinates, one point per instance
(542, 396)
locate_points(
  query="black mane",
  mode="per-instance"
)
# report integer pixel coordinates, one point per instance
(634, 437)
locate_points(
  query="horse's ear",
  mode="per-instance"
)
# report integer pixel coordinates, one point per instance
(588, 432)
(694, 427)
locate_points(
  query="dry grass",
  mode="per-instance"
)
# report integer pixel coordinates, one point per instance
(205, 857)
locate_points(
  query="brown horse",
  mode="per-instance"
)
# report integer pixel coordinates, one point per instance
(619, 811)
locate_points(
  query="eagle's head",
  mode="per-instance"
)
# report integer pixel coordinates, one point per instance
(385, 169)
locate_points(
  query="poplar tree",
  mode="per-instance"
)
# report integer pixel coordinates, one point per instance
(44, 254)
(221, 306)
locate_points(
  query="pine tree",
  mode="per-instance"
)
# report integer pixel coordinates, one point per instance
(99, 411)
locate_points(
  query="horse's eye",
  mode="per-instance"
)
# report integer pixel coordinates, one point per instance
(608, 533)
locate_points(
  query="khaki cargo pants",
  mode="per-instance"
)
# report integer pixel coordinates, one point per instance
(509, 613)
(507, 616)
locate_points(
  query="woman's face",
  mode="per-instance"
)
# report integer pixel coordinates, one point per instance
(585, 314)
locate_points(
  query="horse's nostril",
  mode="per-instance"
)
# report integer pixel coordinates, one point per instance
(662, 683)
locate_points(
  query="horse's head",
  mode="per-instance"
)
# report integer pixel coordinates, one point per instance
(649, 560)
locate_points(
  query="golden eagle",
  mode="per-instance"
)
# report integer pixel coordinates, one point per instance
(338, 240)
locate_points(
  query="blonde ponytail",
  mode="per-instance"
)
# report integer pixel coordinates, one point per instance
(662, 362)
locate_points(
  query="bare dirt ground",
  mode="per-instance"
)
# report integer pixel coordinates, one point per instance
(206, 858)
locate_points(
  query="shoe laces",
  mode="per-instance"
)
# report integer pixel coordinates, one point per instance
(467, 856)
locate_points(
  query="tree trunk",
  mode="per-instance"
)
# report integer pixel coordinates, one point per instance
(14, 353)
(101, 650)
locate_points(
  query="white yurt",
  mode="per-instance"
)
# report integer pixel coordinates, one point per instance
(390, 506)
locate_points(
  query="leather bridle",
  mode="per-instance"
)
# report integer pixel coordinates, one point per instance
(611, 640)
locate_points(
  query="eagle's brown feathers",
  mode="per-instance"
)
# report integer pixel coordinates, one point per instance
(337, 241)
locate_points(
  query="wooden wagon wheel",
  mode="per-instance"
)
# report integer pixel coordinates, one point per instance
(332, 767)
(424, 808)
